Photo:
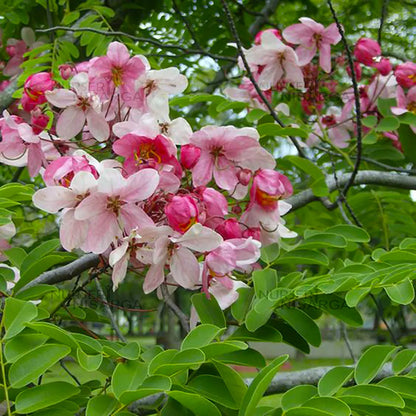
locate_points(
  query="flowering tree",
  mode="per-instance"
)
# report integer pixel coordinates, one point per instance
(116, 163)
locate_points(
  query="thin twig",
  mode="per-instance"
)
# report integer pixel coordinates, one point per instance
(141, 39)
(382, 20)
(356, 99)
(344, 335)
(251, 77)
(381, 315)
(107, 309)
(68, 372)
(183, 319)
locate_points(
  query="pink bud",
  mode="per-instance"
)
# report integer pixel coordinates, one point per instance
(229, 229)
(257, 39)
(182, 213)
(406, 74)
(383, 66)
(39, 121)
(268, 187)
(66, 71)
(11, 50)
(366, 50)
(190, 155)
(252, 232)
(27, 103)
(244, 176)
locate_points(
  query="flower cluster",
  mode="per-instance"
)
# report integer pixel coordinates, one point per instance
(277, 65)
(184, 208)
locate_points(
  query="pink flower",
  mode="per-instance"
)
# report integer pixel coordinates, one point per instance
(61, 171)
(113, 207)
(246, 92)
(182, 213)
(268, 187)
(118, 71)
(176, 252)
(66, 71)
(80, 107)
(276, 60)
(313, 36)
(72, 232)
(366, 50)
(406, 74)
(383, 65)
(223, 151)
(141, 152)
(34, 89)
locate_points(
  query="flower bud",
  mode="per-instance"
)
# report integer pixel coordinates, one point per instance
(229, 229)
(244, 176)
(39, 121)
(252, 232)
(66, 71)
(182, 213)
(406, 74)
(383, 66)
(190, 155)
(257, 39)
(366, 50)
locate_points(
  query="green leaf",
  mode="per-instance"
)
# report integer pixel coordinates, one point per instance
(208, 310)
(45, 395)
(371, 362)
(298, 395)
(223, 347)
(350, 233)
(259, 385)
(233, 380)
(152, 385)
(255, 115)
(89, 362)
(22, 344)
(405, 386)
(402, 360)
(333, 380)
(241, 306)
(376, 410)
(324, 239)
(402, 293)
(198, 405)
(337, 307)
(355, 296)
(329, 405)
(54, 332)
(16, 255)
(35, 292)
(200, 336)
(247, 357)
(270, 253)
(302, 324)
(264, 281)
(168, 363)
(371, 395)
(266, 333)
(303, 256)
(39, 252)
(388, 123)
(369, 121)
(29, 367)
(16, 314)
(384, 106)
(101, 406)
(128, 376)
(213, 388)
(408, 140)
(318, 184)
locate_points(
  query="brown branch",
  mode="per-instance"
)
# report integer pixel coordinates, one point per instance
(183, 319)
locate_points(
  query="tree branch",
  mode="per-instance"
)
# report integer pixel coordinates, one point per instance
(183, 319)
(363, 177)
(67, 272)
